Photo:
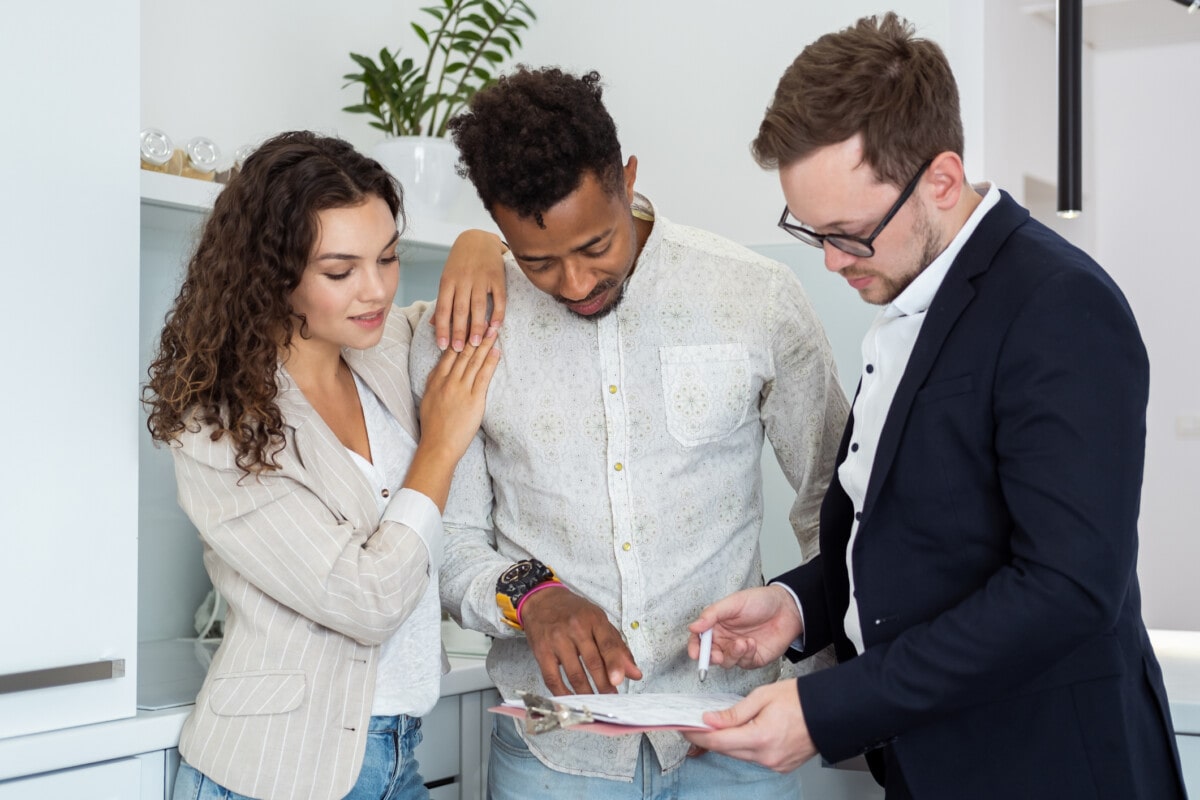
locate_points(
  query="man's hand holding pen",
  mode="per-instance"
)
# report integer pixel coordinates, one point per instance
(750, 628)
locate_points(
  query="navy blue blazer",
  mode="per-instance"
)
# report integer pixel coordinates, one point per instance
(995, 560)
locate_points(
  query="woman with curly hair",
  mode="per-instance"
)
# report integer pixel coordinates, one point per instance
(281, 386)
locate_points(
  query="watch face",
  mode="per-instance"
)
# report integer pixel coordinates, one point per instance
(516, 572)
(523, 576)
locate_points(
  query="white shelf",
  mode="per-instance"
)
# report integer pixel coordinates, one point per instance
(175, 204)
(172, 191)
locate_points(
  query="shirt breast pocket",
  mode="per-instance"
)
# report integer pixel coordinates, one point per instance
(706, 390)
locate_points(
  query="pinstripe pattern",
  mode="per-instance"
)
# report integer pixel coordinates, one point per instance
(313, 588)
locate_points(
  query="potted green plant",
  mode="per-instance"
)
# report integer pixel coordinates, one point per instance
(413, 100)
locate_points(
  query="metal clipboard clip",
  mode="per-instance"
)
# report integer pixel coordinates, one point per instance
(543, 714)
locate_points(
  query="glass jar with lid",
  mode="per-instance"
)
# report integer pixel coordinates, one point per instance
(203, 155)
(158, 152)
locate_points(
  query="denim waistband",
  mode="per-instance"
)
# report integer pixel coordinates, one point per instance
(401, 724)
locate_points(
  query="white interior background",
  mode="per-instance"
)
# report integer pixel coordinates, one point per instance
(687, 81)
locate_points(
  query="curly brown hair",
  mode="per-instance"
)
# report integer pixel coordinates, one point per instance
(874, 78)
(219, 350)
(527, 141)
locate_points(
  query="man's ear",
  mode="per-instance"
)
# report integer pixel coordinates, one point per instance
(947, 177)
(630, 171)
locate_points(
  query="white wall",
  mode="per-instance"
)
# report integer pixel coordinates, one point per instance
(1148, 171)
(1140, 172)
(686, 80)
(1021, 115)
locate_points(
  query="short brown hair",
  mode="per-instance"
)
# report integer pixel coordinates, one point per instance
(874, 78)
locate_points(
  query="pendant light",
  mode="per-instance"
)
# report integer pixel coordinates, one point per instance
(1070, 107)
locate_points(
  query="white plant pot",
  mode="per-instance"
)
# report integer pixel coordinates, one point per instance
(424, 165)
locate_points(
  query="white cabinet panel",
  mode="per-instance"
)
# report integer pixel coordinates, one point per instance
(68, 316)
(848, 781)
(1189, 754)
(438, 753)
(154, 775)
(111, 780)
(447, 792)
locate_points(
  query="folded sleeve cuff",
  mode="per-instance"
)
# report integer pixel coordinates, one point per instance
(798, 643)
(414, 510)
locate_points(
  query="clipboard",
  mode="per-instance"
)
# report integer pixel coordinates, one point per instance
(615, 715)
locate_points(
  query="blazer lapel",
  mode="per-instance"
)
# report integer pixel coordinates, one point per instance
(952, 298)
(384, 368)
(340, 485)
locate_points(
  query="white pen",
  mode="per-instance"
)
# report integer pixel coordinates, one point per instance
(705, 652)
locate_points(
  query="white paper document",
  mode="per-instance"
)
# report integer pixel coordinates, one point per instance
(648, 709)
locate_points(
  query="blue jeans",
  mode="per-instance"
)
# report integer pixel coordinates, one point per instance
(389, 771)
(514, 773)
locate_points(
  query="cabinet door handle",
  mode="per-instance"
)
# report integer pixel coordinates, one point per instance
(62, 676)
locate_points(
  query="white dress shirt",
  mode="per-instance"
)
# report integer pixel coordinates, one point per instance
(885, 350)
(625, 453)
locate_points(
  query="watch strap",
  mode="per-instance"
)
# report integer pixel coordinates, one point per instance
(515, 583)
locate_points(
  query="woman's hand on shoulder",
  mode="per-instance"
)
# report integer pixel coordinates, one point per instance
(451, 412)
(474, 271)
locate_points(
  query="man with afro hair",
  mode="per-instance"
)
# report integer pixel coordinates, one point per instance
(615, 489)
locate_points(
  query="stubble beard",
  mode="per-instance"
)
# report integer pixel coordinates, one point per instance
(931, 248)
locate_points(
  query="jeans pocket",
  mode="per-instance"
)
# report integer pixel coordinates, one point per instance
(187, 782)
(192, 784)
(506, 738)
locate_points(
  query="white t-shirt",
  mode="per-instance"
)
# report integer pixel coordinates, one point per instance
(410, 660)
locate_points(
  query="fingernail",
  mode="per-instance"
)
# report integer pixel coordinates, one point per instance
(458, 345)
(443, 343)
(476, 340)
(492, 331)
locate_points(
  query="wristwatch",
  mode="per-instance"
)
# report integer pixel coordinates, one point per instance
(516, 582)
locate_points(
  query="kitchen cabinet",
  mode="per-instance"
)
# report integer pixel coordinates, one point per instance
(111, 780)
(1178, 654)
(1189, 754)
(53, 765)
(68, 318)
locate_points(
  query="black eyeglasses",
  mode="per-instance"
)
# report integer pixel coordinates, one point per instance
(854, 245)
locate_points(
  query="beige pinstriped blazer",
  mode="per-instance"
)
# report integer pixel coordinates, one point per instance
(313, 589)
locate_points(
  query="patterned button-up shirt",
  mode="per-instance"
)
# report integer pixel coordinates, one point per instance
(625, 452)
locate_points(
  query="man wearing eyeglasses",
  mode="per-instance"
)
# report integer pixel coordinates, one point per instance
(979, 538)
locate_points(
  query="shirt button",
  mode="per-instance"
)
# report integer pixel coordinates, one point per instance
(612, 389)
(854, 448)
(858, 515)
(618, 466)
(634, 625)
(386, 493)
(870, 368)
(626, 547)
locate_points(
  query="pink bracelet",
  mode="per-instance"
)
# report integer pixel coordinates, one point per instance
(531, 593)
